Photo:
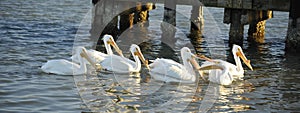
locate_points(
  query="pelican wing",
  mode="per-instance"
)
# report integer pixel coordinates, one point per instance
(98, 56)
(117, 64)
(94, 55)
(169, 71)
(61, 67)
(217, 75)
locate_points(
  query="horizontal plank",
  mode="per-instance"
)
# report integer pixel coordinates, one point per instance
(275, 5)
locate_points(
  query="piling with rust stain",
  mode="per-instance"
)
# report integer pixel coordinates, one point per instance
(126, 17)
(257, 22)
(141, 13)
(293, 33)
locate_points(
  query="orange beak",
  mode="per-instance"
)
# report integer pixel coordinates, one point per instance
(245, 60)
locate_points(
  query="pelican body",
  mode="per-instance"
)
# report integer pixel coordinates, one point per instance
(171, 71)
(118, 64)
(223, 72)
(97, 56)
(65, 67)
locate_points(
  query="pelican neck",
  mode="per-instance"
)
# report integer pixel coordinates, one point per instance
(108, 48)
(137, 65)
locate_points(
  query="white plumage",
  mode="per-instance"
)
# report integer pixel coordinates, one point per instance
(97, 56)
(65, 67)
(118, 64)
(171, 71)
(227, 72)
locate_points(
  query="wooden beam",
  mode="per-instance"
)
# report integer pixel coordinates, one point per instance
(275, 5)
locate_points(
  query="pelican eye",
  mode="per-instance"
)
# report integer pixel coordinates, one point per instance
(109, 42)
(188, 60)
(239, 49)
(136, 53)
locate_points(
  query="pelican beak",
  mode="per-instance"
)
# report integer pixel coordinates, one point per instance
(114, 45)
(210, 67)
(196, 65)
(245, 60)
(86, 56)
(194, 62)
(202, 57)
(141, 56)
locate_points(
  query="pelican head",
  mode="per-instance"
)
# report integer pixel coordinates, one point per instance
(84, 54)
(237, 50)
(187, 55)
(110, 41)
(135, 49)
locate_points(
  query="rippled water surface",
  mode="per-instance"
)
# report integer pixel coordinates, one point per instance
(34, 31)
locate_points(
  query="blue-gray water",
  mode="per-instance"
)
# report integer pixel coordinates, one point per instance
(33, 32)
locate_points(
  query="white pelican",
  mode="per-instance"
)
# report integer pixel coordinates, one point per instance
(65, 67)
(171, 71)
(223, 72)
(97, 56)
(118, 64)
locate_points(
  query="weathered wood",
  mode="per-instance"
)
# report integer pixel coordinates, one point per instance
(237, 12)
(237, 4)
(260, 4)
(257, 21)
(256, 32)
(197, 21)
(247, 4)
(141, 13)
(104, 21)
(236, 28)
(126, 17)
(169, 21)
(279, 5)
(293, 33)
(275, 5)
(228, 19)
(227, 16)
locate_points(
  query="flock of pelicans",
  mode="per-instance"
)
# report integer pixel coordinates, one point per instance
(161, 69)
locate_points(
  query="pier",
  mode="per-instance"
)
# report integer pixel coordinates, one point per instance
(237, 13)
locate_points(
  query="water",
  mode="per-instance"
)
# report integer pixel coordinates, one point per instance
(33, 32)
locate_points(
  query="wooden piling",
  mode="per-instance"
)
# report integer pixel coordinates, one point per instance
(237, 13)
(141, 13)
(236, 33)
(293, 33)
(197, 21)
(256, 32)
(104, 21)
(169, 21)
(257, 21)
(126, 17)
